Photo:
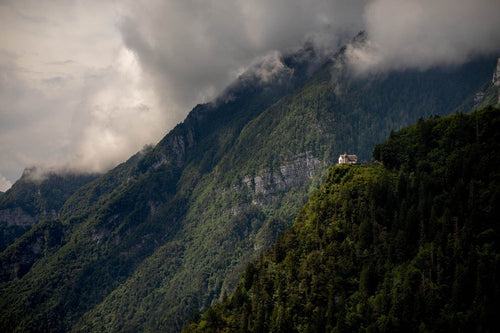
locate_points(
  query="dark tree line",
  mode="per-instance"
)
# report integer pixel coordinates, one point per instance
(411, 244)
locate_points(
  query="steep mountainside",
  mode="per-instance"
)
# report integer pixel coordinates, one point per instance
(143, 246)
(408, 245)
(31, 200)
(16, 260)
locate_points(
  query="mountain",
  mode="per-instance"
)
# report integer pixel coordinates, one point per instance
(410, 245)
(33, 198)
(170, 231)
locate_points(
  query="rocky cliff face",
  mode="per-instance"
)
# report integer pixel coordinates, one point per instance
(295, 172)
(264, 188)
(491, 95)
(496, 75)
(496, 79)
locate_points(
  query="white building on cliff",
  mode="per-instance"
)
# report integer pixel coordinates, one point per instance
(348, 159)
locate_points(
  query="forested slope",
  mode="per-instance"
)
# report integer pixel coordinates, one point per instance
(170, 231)
(411, 244)
(36, 197)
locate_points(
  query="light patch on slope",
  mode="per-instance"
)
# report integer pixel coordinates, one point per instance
(5, 184)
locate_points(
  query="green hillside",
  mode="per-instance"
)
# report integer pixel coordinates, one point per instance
(407, 245)
(170, 231)
(32, 200)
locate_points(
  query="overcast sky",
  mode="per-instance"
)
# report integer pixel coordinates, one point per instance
(85, 84)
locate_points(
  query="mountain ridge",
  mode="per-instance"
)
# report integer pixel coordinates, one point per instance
(171, 229)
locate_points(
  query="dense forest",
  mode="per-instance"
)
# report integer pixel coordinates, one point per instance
(37, 196)
(173, 228)
(407, 243)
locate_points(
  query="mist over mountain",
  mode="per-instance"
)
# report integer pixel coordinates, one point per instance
(37, 196)
(64, 106)
(248, 104)
(168, 232)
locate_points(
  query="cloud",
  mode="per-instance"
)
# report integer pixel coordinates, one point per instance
(72, 96)
(30, 126)
(107, 117)
(421, 34)
(193, 49)
(83, 85)
(86, 84)
(122, 115)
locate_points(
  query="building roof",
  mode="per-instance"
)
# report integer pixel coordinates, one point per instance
(344, 158)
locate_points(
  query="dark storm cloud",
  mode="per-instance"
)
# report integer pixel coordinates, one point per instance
(192, 49)
(72, 97)
(84, 85)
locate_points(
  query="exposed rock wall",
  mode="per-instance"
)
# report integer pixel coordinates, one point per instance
(496, 79)
(294, 172)
(496, 75)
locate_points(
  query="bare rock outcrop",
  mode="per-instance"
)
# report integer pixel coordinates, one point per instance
(295, 172)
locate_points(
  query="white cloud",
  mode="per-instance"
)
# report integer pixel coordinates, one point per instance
(85, 84)
(425, 33)
(71, 94)
(120, 115)
(192, 49)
